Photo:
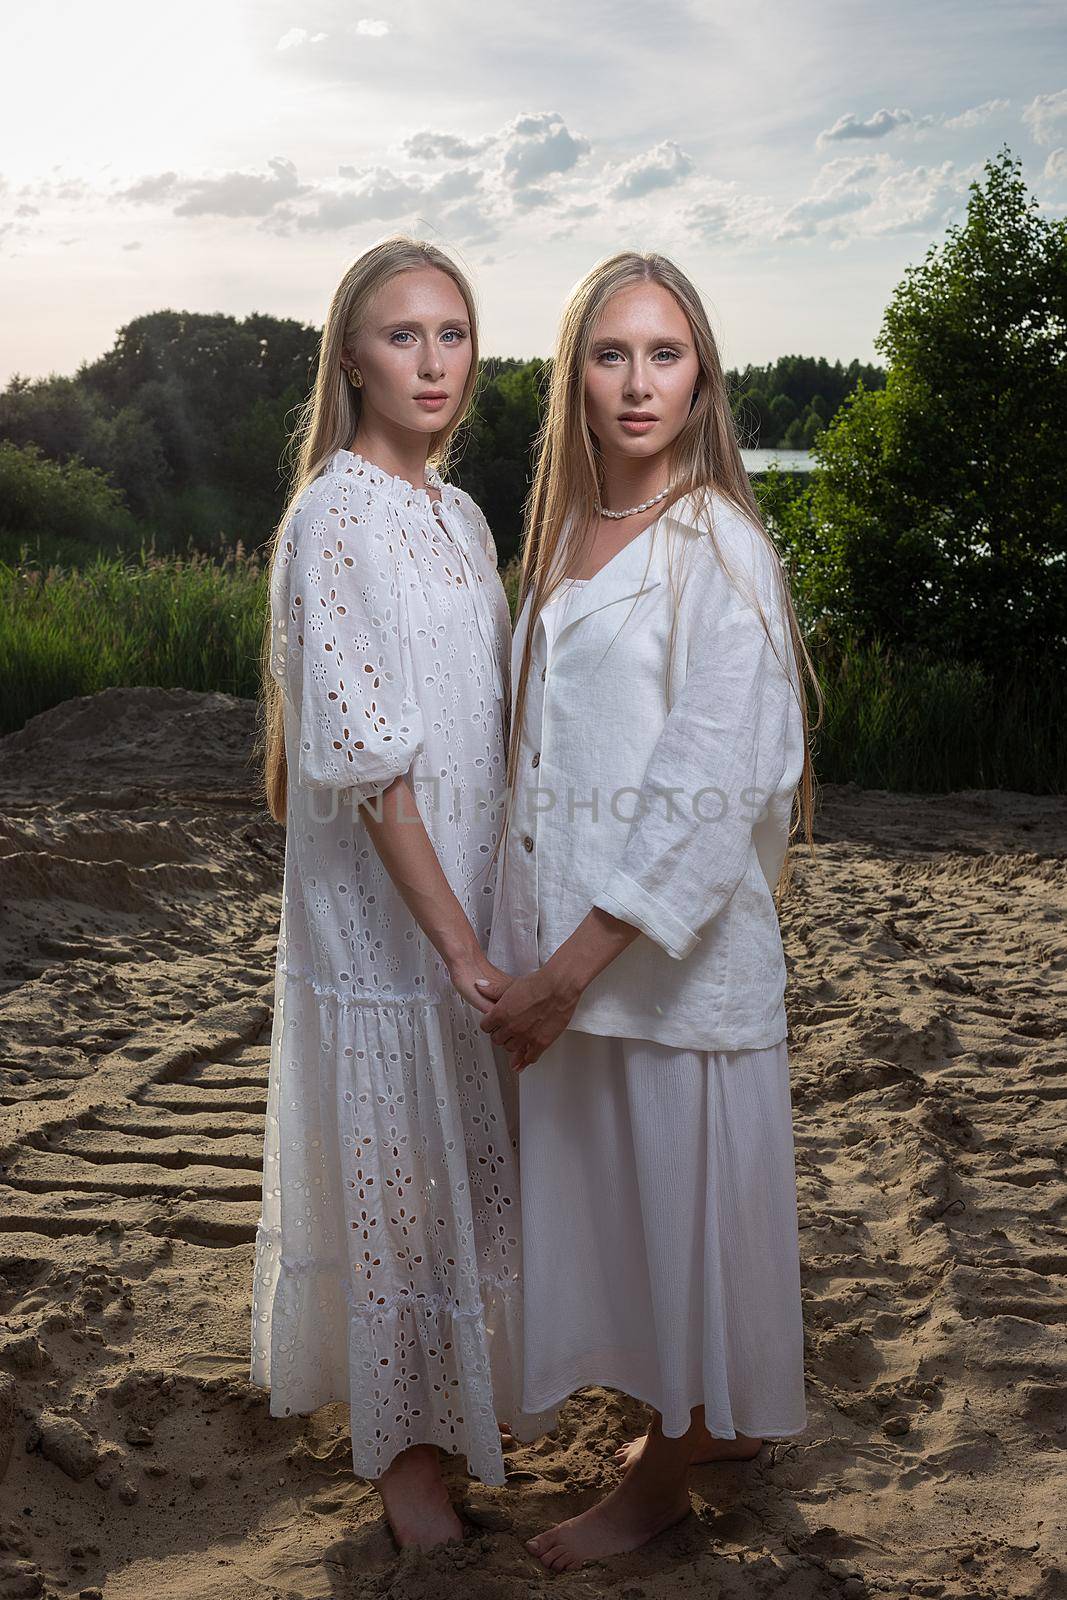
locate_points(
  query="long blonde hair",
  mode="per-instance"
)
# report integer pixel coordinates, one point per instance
(326, 423)
(569, 481)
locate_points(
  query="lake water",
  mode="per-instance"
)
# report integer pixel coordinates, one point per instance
(784, 460)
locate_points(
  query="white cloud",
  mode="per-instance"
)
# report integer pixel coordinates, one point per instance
(1056, 165)
(429, 146)
(974, 116)
(372, 27)
(1046, 116)
(298, 36)
(802, 219)
(916, 200)
(537, 146)
(665, 165)
(230, 194)
(722, 212)
(377, 195)
(877, 127)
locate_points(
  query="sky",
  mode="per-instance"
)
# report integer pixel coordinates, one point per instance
(236, 157)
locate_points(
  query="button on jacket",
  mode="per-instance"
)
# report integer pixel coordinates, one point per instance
(672, 814)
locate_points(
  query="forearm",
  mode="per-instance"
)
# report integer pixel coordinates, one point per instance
(585, 953)
(399, 834)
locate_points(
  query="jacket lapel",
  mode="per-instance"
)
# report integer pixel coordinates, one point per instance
(633, 571)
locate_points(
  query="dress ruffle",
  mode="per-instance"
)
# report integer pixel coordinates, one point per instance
(388, 1255)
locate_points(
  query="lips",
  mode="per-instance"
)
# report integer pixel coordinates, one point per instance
(432, 394)
(638, 416)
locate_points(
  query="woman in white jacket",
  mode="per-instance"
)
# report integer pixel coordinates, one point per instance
(659, 736)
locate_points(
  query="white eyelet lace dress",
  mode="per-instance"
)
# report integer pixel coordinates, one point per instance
(388, 1254)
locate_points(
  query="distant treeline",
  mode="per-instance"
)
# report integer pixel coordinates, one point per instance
(934, 524)
(188, 413)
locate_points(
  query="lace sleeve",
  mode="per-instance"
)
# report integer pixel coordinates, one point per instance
(360, 724)
(476, 517)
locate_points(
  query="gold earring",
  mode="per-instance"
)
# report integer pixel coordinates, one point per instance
(355, 378)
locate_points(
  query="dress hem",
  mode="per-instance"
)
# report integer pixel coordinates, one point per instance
(540, 1408)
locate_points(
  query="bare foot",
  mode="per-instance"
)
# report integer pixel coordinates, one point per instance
(625, 1519)
(653, 1496)
(416, 1500)
(708, 1448)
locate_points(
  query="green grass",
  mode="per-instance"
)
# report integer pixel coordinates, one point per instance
(892, 721)
(173, 622)
(914, 722)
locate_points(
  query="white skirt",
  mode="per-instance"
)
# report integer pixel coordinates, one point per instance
(660, 1241)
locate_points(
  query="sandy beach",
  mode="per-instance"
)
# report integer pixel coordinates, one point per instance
(927, 1000)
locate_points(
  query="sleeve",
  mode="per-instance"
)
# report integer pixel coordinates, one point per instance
(477, 517)
(720, 756)
(360, 724)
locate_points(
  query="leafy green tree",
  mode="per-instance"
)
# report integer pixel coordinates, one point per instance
(495, 462)
(803, 381)
(64, 500)
(942, 500)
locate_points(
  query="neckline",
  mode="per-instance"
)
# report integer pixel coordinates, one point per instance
(629, 543)
(392, 483)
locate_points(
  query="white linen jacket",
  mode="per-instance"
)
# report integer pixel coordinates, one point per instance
(672, 815)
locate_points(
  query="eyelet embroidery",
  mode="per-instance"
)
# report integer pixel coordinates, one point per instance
(387, 1263)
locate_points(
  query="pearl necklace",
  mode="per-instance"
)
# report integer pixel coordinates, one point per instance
(645, 505)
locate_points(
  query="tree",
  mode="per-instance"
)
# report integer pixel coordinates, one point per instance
(942, 499)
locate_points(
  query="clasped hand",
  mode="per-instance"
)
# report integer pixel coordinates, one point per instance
(528, 1014)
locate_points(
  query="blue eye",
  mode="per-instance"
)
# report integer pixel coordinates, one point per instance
(672, 355)
(402, 333)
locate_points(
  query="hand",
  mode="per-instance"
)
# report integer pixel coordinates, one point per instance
(490, 990)
(531, 1012)
(474, 965)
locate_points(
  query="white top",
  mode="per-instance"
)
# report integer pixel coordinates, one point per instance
(672, 815)
(391, 639)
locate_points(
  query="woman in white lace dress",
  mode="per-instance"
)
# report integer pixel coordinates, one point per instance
(387, 1267)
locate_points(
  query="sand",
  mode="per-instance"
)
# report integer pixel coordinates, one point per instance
(928, 971)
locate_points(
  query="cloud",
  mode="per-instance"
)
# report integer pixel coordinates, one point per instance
(298, 36)
(976, 115)
(1046, 116)
(513, 171)
(538, 146)
(722, 213)
(1056, 165)
(915, 200)
(469, 222)
(232, 194)
(63, 189)
(802, 219)
(659, 168)
(376, 195)
(134, 244)
(877, 127)
(372, 27)
(429, 146)
(152, 189)
(852, 197)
